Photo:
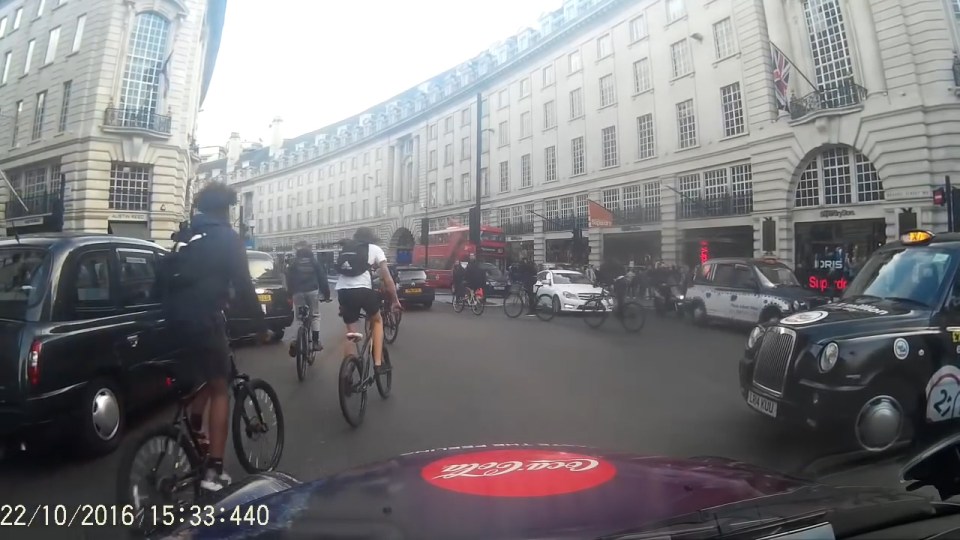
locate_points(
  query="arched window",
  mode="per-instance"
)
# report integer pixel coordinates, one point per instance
(146, 56)
(838, 176)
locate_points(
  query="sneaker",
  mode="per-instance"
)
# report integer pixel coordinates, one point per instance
(292, 351)
(317, 346)
(354, 336)
(382, 369)
(214, 482)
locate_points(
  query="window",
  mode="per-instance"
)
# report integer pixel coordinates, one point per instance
(465, 117)
(574, 61)
(353, 185)
(40, 6)
(140, 89)
(78, 35)
(504, 133)
(577, 157)
(604, 46)
(432, 131)
(17, 17)
(484, 182)
(432, 160)
(38, 114)
(576, 103)
(526, 125)
(608, 142)
(376, 178)
(524, 87)
(448, 125)
(26, 64)
(549, 115)
(504, 177)
(526, 179)
(129, 186)
(353, 163)
(723, 39)
(680, 58)
(3, 26)
(638, 28)
(608, 91)
(550, 164)
(504, 98)
(646, 142)
(93, 280)
(137, 277)
(642, 81)
(465, 187)
(675, 10)
(52, 41)
(448, 195)
(366, 158)
(686, 124)
(465, 148)
(16, 122)
(731, 101)
(448, 154)
(829, 179)
(547, 73)
(7, 59)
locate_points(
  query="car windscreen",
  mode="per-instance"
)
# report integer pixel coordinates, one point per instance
(778, 275)
(492, 271)
(23, 272)
(262, 267)
(912, 274)
(570, 279)
(411, 275)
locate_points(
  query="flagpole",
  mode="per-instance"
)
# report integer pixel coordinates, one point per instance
(795, 67)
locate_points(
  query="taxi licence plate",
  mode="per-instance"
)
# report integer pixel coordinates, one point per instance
(414, 291)
(266, 298)
(762, 404)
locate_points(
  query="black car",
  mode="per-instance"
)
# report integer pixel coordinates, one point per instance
(275, 301)
(882, 364)
(412, 285)
(498, 284)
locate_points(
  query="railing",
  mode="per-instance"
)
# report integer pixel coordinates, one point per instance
(710, 207)
(518, 227)
(37, 205)
(136, 119)
(565, 224)
(636, 215)
(835, 96)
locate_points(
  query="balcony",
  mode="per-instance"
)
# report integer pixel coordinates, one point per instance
(838, 96)
(121, 120)
(712, 207)
(518, 227)
(40, 204)
(565, 224)
(637, 215)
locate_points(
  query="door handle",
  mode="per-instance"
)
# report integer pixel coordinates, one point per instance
(707, 294)
(133, 339)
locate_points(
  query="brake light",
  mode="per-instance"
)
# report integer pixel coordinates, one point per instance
(33, 364)
(168, 382)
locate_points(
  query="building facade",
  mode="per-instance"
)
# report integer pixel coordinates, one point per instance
(781, 128)
(98, 106)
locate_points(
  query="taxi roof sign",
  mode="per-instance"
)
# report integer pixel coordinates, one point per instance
(916, 237)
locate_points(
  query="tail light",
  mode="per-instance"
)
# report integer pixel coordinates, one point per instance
(33, 364)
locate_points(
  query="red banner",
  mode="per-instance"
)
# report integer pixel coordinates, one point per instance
(599, 215)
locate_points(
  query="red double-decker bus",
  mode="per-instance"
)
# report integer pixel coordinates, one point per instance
(452, 244)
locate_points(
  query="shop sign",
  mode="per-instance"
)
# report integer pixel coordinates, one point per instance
(919, 193)
(704, 251)
(514, 238)
(837, 213)
(26, 222)
(485, 249)
(124, 216)
(830, 266)
(630, 228)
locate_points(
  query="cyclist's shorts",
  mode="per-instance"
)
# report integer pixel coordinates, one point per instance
(205, 354)
(352, 301)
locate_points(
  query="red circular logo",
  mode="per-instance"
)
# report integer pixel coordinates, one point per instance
(518, 473)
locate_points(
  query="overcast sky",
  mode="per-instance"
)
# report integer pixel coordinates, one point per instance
(315, 62)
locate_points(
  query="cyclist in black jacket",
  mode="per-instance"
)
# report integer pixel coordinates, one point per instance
(306, 281)
(211, 266)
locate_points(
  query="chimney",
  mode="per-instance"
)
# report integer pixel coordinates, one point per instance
(276, 139)
(233, 150)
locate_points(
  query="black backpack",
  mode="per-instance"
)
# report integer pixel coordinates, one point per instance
(354, 259)
(179, 269)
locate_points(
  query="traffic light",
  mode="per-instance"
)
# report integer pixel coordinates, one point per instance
(425, 231)
(474, 217)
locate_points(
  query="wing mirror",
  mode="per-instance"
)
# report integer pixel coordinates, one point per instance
(538, 283)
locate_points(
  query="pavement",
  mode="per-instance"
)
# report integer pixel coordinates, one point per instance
(462, 379)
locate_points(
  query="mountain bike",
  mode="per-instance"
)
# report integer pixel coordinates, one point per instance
(517, 299)
(357, 375)
(306, 354)
(631, 314)
(391, 323)
(476, 302)
(143, 481)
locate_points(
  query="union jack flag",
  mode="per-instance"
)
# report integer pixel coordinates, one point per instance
(781, 77)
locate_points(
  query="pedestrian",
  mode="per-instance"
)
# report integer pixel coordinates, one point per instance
(457, 273)
(475, 276)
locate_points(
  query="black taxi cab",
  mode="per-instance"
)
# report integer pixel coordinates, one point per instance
(882, 364)
(275, 301)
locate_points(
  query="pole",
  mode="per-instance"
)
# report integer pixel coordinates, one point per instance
(949, 194)
(479, 149)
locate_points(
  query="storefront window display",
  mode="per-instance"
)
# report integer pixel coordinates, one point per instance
(829, 255)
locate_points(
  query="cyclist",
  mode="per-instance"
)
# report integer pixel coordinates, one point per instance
(458, 277)
(475, 276)
(306, 280)
(356, 293)
(195, 286)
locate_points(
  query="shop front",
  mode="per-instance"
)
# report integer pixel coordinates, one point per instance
(519, 249)
(701, 245)
(828, 254)
(559, 250)
(629, 245)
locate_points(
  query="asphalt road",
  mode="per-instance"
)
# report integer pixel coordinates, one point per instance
(461, 379)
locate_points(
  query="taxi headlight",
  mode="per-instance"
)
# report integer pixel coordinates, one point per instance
(570, 295)
(755, 336)
(828, 357)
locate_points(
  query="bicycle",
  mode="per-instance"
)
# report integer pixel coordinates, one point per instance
(306, 354)
(181, 486)
(356, 377)
(391, 322)
(477, 304)
(630, 313)
(518, 298)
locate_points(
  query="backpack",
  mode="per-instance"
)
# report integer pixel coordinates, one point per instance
(178, 270)
(354, 259)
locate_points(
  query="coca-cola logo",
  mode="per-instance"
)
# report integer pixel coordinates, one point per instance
(518, 473)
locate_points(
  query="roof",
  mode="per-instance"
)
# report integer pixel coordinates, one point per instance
(71, 239)
(743, 260)
(563, 271)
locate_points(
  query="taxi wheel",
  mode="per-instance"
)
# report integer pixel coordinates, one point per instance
(102, 422)
(699, 313)
(277, 336)
(887, 417)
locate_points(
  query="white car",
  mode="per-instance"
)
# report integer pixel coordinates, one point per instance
(568, 289)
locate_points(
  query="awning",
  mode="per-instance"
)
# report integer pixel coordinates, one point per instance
(136, 229)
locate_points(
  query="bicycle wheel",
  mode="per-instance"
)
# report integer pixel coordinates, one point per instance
(513, 304)
(256, 416)
(384, 382)
(478, 306)
(161, 469)
(594, 313)
(353, 393)
(633, 317)
(303, 349)
(544, 308)
(457, 304)
(391, 326)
